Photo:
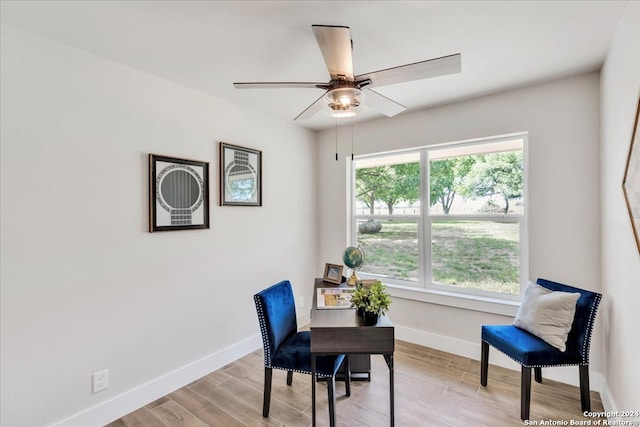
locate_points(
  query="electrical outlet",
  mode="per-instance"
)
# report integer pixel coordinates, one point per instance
(100, 380)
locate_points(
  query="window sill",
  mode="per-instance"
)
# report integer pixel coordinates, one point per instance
(451, 299)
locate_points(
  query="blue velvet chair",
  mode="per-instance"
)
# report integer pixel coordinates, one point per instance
(286, 348)
(532, 352)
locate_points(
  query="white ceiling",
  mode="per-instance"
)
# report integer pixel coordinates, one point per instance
(208, 45)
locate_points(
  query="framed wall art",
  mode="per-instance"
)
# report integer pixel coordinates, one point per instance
(631, 180)
(178, 194)
(332, 273)
(240, 176)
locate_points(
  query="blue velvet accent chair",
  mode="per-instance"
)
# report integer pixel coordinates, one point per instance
(286, 348)
(532, 352)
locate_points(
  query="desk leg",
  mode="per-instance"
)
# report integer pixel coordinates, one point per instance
(389, 359)
(313, 390)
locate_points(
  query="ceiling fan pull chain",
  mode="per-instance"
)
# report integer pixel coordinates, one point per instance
(352, 142)
(336, 139)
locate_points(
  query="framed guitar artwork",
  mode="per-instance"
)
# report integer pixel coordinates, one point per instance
(240, 176)
(178, 194)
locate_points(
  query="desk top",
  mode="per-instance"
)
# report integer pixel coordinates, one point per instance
(343, 331)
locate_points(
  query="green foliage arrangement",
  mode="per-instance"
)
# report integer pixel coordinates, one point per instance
(372, 299)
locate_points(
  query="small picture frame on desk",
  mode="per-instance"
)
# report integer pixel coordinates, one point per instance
(332, 273)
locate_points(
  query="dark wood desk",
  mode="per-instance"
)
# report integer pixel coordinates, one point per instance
(341, 331)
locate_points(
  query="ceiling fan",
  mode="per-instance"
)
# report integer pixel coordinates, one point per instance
(343, 93)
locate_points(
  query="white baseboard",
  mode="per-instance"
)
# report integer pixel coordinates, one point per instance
(607, 400)
(564, 374)
(133, 399)
(613, 411)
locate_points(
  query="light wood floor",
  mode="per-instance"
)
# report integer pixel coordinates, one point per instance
(432, 388)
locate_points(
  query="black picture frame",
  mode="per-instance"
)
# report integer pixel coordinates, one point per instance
(178, 194)
(240, 176)
(631, 180)
(332, 273)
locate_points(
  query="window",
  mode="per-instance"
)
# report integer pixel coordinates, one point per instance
(449, 217)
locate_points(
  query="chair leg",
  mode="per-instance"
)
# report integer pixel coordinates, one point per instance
(347, 376)
(267, 392)
(484, 363)
(331, 391)
(289, 377)
(537, 373)
(585, 398)
(525, 393)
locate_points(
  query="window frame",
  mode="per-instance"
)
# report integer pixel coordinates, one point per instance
(424, 289)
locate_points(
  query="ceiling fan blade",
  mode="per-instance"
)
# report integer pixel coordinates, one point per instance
(417, 71)
(311, 109)
(280, 85)
(335, 44)
(381, 103)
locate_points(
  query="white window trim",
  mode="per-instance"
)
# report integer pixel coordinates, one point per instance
(454, 299)
(470, 299)
(506, 305)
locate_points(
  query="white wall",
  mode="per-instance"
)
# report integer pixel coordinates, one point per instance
(620, 259)
(85, 287)
(562, 118)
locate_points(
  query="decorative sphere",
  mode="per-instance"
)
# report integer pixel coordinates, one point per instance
(353, 257)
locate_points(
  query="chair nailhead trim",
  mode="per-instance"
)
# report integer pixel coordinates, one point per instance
(318, 374)
(586, 346)
(267, 345)
(534, 366)
(263, 330)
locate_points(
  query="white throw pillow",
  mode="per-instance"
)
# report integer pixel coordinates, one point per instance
(547, 314)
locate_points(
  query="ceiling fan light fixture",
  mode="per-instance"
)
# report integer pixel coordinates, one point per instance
(343, 114)
(343, 101)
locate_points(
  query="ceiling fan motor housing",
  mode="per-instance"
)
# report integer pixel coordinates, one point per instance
(343, 94)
